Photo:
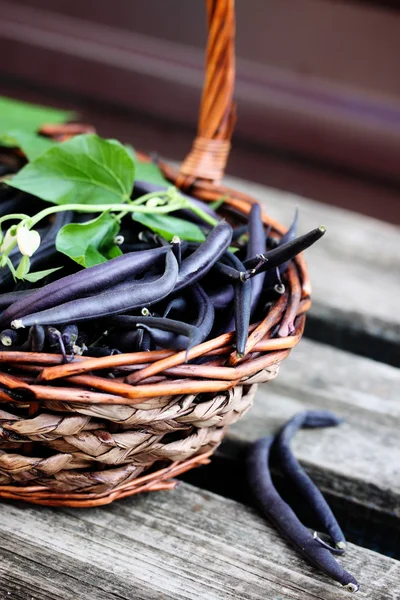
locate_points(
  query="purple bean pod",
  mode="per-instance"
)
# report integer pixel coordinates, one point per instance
(256, 245)
(281, 254)
(197, 264)
(177, 304)
(293, 470)
(126, 341)
(83, 283)
(221, 297)
(129, 297)
(242, 304)
(9, 298)
(285, 520)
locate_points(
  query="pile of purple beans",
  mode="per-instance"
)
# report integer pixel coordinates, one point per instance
(157, 294)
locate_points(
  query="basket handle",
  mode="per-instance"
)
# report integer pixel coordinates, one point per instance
(209, 154)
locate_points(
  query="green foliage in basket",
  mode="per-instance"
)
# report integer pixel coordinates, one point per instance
(86, 174)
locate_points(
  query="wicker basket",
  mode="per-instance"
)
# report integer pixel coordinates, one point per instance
(71, 435)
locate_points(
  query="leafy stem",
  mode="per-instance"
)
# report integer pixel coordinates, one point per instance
(152, 204)
(200, 212)
(171, 200)
(175, 202)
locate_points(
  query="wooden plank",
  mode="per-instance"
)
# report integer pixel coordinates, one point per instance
(186, 544)
(357, 461)
(354, 270)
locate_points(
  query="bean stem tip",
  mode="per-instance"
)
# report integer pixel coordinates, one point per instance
(352, 587)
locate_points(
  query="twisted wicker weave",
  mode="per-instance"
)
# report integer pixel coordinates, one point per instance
(78, 435)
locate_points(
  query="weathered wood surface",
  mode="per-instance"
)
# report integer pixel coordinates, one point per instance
(360, 459)
(185, 544)
(355, 271)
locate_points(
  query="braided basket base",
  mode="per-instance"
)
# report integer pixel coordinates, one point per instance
(141, 446)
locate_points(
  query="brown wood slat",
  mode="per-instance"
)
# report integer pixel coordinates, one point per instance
(180, 545)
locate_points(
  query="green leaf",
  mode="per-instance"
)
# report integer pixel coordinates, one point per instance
(33, 277)
(31, 144)
(28, 117)
(85, 169)
(89, 243)
(168, 226)
(113, 252)
(148, 171)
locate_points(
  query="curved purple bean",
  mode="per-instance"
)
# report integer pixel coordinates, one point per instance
(87, 281)
(256, 245)
(168, 333)
(205, 311)
(131, 296)
(291, 467)
(203, 323)
(159, 322)
(285, 520)
(230, 273)
(242, 304)
(191, 332)
(221, 297)
(242, 309)
(167, 339)
(197, 264)
(177, 248)
(146, 343)
(36, 338)
(239, 231)
(9, 298)
(281, 254)
(126, 341)
(180, 303)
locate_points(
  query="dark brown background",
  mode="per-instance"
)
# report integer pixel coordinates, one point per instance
(318, 84)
